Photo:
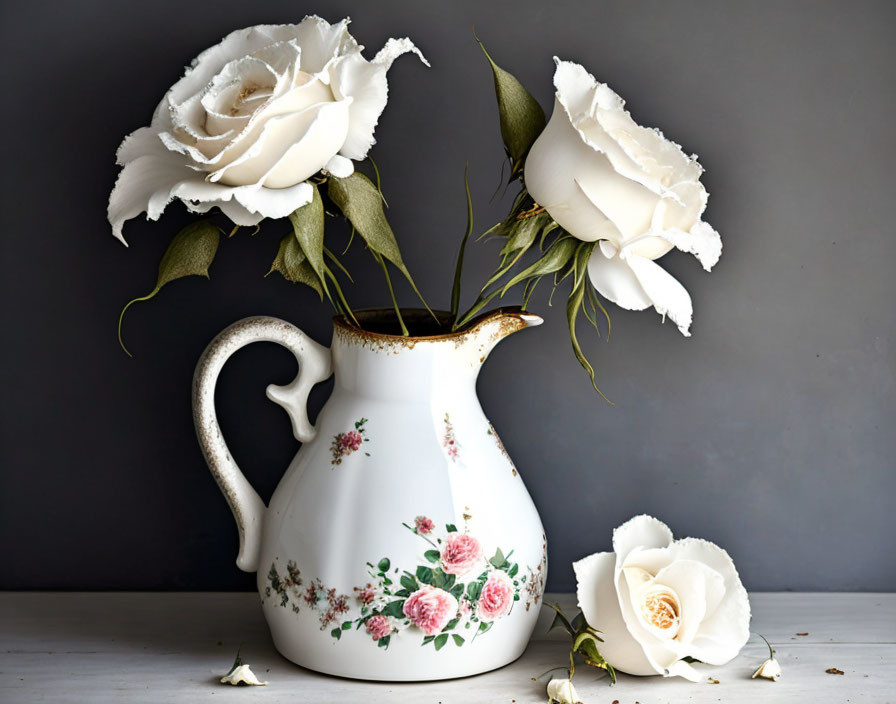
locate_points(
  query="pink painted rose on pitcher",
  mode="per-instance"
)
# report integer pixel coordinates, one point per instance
(424, 525)
(460, 553)
(430, 609)
(496, 597)
(378, 626)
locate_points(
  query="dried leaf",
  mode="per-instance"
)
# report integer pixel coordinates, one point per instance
(190, 253)
(521, 117)
(292, 263)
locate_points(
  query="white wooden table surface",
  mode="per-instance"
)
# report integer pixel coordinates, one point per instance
(173, 647)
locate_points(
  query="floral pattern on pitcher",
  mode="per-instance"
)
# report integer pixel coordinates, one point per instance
(344, 444)
(456, 595)
(449, 442)
(497, 438)
(326, 602)
(535, 582)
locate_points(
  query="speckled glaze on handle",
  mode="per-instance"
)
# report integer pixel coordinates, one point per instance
(314, 366)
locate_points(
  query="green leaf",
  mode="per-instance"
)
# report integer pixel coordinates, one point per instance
(394, 609)
(383, 564)
(522, 118)
(555, 258)
(432, 555)
(425, 574)
(308, 226)
(450, 528)
(408, 583)
(440, 641)
(336, 633)
(293, 265)
(458, 640)
(361, 203)
(560, 618)
(498, 559)
(523, 233)
(513, 570)
(574, 305)
(474, 589)
(347, 626)
(190, 253)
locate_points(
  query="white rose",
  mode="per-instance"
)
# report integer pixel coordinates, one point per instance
(253, 118)
(657, 601)
(603, 177)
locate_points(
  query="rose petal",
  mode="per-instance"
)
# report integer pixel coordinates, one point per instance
(321, 41)
(699, 588)
(340, 167)
(615, 281)
(640, 532)
(235, 212)
(252, 202)
(316, 36)
(726, 625)
(141, 142)
(365, 82)
(144, 184)
(638, 153)
(597, 598)
(668, 296)
(274, 202)
(556, 159)
(628, 204)
(314, 134)
(702, 241)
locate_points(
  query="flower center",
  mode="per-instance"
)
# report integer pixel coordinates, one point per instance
(662, 610)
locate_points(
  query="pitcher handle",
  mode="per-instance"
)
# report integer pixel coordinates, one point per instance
(314, 366)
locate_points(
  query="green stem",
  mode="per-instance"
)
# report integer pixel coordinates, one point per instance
(124, 310)
(347, 310)
(333, 258)
(455, 291)
(404, 330)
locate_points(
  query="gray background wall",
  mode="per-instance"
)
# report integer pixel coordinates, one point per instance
(770, 431)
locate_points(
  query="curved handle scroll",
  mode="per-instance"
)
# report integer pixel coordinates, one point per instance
(314, 366)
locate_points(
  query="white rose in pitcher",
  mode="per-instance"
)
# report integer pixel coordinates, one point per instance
(657, 601)
(602, 177)
(254, 117)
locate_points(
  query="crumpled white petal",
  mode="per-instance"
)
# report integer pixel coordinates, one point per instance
(562, 692)
(241, 674)
(770, 670)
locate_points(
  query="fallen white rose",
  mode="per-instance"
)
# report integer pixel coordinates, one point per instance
(602, 177)
(241, 674)
(562, 692)
(252, 119)
(657, 601)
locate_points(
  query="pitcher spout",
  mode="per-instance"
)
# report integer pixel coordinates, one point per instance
(490, 328)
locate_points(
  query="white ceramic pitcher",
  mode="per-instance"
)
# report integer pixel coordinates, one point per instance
(401, 543)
